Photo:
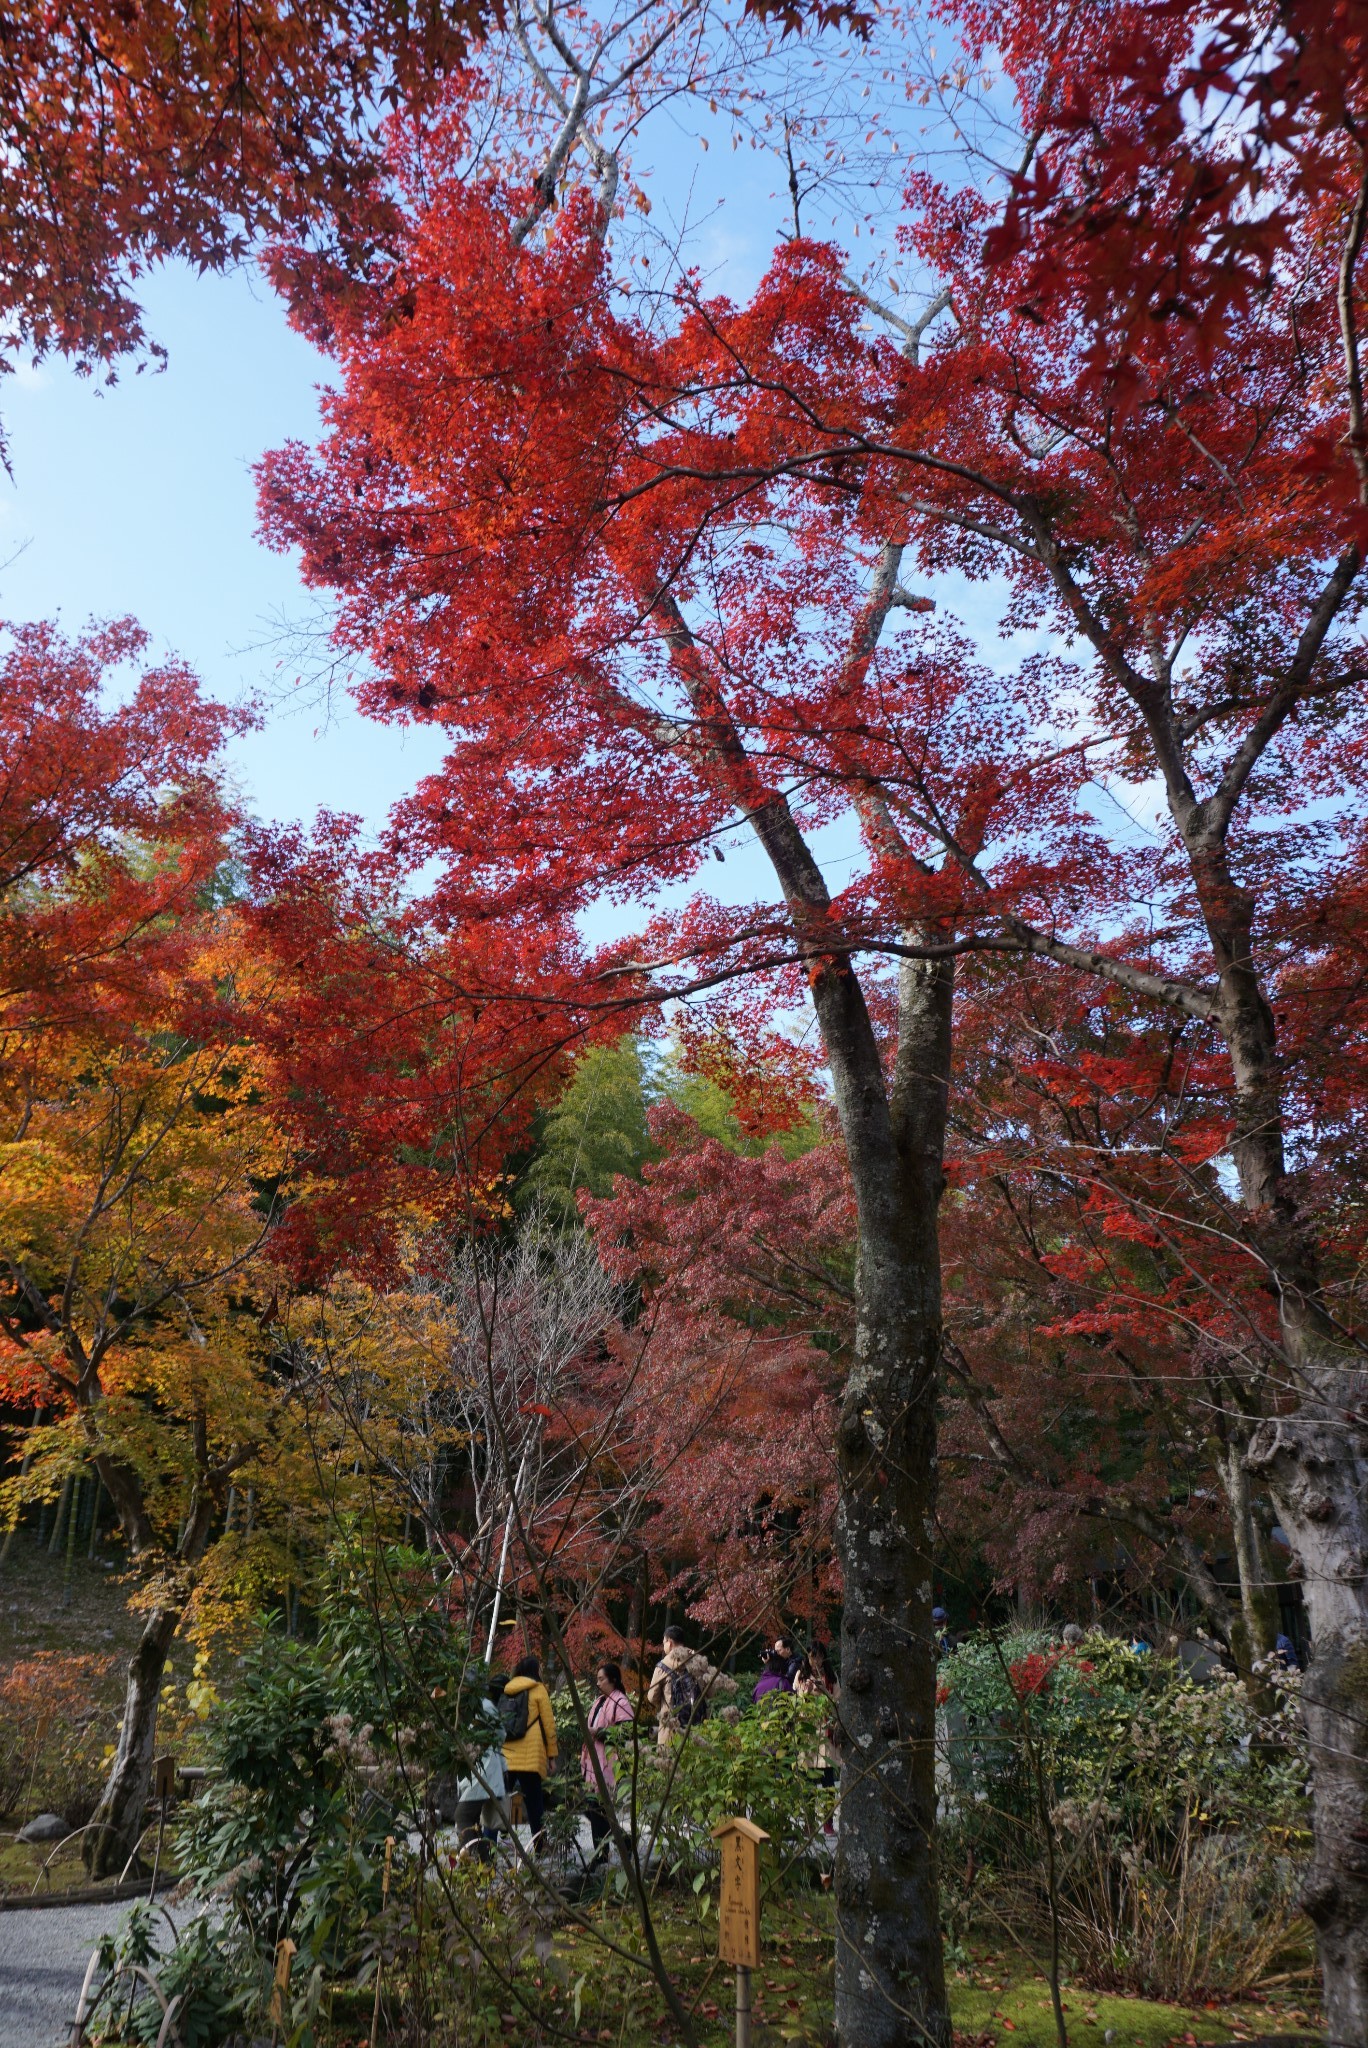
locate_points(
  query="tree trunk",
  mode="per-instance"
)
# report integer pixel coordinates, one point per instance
(890, 1975)
(1317, 1471)
(117, 1821)
(1254, 1632)
(890, 1981)
(1314, 1461)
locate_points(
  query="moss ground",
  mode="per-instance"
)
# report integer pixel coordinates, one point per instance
(21, 1867)
(996, 1999)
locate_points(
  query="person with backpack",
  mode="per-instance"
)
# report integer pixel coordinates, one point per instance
(681, 1686)
(529, 1746)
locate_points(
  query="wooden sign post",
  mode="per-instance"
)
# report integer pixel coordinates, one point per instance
(280, 1986)
(738, 1910)
(163, 1791)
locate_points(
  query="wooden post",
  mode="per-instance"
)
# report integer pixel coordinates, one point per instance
(163, 1790)
(738, 1910)
(380, 1959)
(280, 1987)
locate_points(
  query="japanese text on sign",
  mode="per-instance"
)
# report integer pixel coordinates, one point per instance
(739, 1909)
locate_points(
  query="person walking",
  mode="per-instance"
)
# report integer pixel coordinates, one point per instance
(529, 1750)
(682, 1685)
(609, 1709)
(481, 1794)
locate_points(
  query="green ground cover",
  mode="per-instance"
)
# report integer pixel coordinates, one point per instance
(574, 1988)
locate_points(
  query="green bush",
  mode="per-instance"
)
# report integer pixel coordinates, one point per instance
(322, 1752)
(763, 1764)
(1176, 1812)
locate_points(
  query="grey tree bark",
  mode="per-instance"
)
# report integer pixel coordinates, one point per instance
(117, 1822)
(890, 1985)
(1314, 1462)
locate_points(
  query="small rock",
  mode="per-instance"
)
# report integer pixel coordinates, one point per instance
(44, 1827)
(1110, 2034)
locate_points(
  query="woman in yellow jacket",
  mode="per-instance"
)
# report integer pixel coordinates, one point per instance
(528, 1758)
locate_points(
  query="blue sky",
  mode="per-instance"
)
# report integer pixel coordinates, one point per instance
(138, 498)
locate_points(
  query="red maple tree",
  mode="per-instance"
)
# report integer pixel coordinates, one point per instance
(725, 1384)
(138, 133)
(628, 673)
(643, 554)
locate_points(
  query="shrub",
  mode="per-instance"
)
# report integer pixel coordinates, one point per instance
(58, 1713)
(215, 1981)
(763, 1765)
(321, 1752)
(1178, 1811)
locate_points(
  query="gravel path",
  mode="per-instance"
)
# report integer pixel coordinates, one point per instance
(43, 1957)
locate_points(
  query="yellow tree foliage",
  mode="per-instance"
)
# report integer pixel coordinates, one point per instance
(141, 1175)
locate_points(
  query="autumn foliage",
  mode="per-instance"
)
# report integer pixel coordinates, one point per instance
(1069, 1170)
(138, 133)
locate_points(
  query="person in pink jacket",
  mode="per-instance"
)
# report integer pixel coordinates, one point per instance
(610, 1708)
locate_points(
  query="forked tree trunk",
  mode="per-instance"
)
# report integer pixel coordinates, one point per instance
(117, 1821)
(890, 1981)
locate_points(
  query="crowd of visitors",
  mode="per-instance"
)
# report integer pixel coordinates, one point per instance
(684, 1689)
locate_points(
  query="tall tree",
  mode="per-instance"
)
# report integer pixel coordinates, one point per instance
(208, 1099)
(1146, 415)
(133, 1236)
(632, 670)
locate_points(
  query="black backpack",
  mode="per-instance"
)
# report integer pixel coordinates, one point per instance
(513, 1712)
(687, 1703)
